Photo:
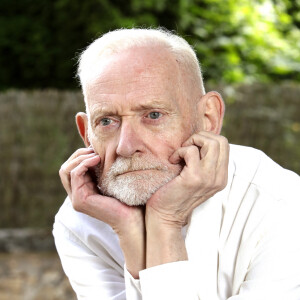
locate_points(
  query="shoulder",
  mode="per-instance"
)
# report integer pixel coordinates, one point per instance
(259, 170)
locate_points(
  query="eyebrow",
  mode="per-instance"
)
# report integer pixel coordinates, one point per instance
(108, 110)
(152, 105)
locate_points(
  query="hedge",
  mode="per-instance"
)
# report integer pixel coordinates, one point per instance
(38, 133)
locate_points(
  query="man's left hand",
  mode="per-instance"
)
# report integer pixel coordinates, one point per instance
(206, 156)
(205, 173)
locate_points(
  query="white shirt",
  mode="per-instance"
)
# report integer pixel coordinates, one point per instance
(243, 243)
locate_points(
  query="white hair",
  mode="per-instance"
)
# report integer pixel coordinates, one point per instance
(123, 39)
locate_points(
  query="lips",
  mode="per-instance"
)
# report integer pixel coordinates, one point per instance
(136, 170)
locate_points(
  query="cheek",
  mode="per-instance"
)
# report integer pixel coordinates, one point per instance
(165, 145)
(98, 146)
(102, 149)
(108, 156)
(173, 138)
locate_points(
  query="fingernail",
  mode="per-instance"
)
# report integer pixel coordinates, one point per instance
(172, 160)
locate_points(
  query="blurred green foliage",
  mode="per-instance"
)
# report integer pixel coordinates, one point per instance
(38, 133)
(236, 40)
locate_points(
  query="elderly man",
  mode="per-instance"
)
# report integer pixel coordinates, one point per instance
(156, 207)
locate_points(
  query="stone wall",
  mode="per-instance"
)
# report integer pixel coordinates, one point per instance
(30, 268)
(33, 276)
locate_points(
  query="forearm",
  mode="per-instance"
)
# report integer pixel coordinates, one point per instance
(165, 243)
(133, 244)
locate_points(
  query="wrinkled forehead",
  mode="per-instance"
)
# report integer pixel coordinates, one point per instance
(137, 73)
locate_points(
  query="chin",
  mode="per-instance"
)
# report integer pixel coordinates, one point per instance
(134, 180)
(137, 189)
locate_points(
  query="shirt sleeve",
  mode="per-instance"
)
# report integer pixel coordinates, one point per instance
(274, 270)
(169, 281)
(133, 286)
(91, 276)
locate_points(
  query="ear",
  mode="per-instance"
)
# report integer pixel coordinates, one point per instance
(82, 126)
(212, 108)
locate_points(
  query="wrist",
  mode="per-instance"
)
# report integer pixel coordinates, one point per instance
(133, 243)
(164, 220)
(131, 224)
(165, 242)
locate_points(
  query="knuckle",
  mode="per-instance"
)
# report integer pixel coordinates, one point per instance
(223, 139)
(221, 183)
(224, 142)
(73, 173)
(193, 150)
(80, 150)
(194, 137)
(62, 171)
(76, 160)
(77, 206)
(210, 180)
(218, 186)
(214, 143)
(224, 182)
(191, 139)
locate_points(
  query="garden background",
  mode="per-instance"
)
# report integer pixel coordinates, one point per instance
(249, 52)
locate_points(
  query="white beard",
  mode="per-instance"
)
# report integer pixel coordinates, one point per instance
(137, 187)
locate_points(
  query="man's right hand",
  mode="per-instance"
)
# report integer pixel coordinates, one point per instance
(126, 221)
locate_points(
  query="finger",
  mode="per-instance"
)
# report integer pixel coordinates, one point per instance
(70, 165)
(223, 145)
(65, 179)
(221, 173)
(81, 151)
(209, 147)
(224, 151)
(78, 178)
(199, 138)
(82, 184)
(197, 174)
(67, 168)
(189, 154)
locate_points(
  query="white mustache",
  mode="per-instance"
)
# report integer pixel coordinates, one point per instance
(124, 165)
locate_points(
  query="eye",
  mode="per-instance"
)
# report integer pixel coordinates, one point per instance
(105, 121)
(154, 115)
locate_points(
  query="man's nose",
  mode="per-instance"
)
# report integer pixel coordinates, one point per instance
(130, 140)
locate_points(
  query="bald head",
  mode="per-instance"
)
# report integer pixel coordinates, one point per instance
(119, 41)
